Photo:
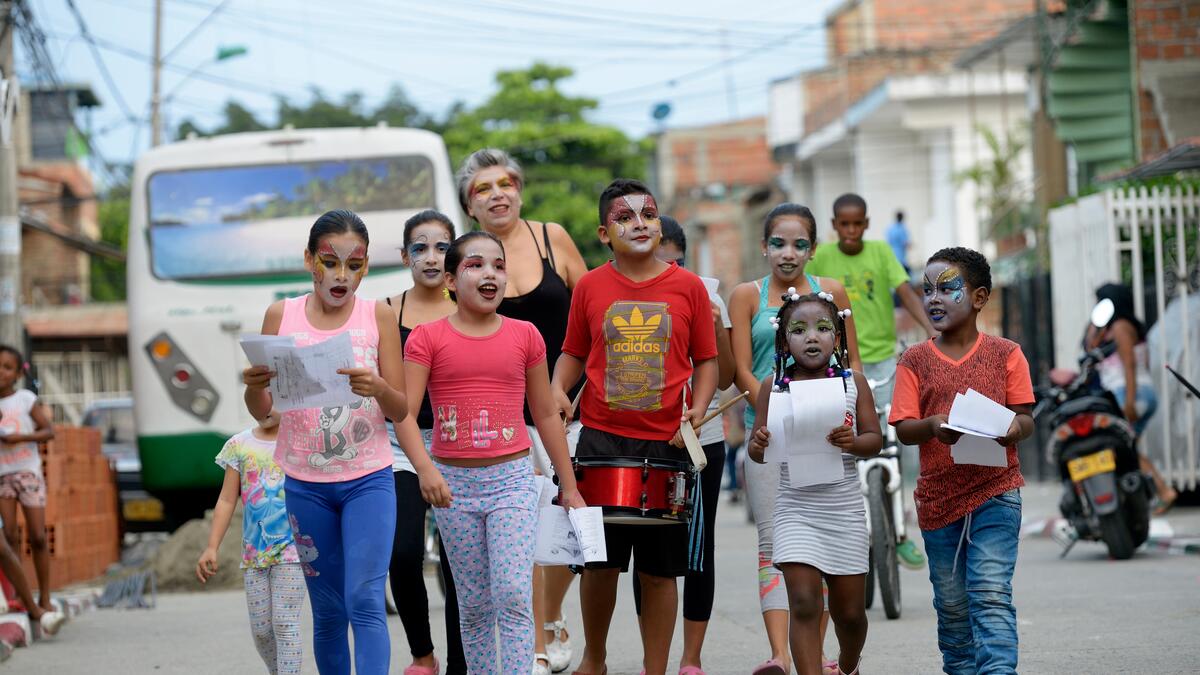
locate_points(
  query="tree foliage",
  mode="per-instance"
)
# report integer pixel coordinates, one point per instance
(1001, 194)
(567, 159)
(108, 276)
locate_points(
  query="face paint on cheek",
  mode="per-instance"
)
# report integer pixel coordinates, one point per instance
(951, 283)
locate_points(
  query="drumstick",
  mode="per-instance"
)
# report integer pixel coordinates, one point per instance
(724, 406)
(575, 402)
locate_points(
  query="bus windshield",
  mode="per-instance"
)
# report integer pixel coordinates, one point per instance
(254, 220)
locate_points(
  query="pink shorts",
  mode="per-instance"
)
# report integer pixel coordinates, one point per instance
(25, 486)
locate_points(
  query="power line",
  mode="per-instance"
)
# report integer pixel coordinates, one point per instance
(104, 72)
(194, 31)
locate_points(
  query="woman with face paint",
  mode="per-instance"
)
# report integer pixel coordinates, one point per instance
(427, 237)
(483, 449)
(789, 236)
(341, 499)
(543, 266)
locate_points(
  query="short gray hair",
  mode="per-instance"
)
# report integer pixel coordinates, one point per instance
(480, 160)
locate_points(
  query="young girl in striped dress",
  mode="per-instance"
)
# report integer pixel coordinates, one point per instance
(821, 530)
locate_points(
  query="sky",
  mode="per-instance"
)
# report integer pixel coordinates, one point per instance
(629, 55)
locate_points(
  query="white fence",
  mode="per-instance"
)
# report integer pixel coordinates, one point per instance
(72, 381)
(1092, 241)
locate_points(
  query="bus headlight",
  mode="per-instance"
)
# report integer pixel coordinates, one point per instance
(188, 388)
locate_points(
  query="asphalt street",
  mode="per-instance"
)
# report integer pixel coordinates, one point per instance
(1081, 614)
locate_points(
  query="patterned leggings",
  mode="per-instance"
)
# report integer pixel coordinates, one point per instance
(274, 596)
(762, 482)
(488, 532)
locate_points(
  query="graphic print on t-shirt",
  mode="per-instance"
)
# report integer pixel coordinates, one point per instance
(341, 434)
(859, 286)
(637, 337)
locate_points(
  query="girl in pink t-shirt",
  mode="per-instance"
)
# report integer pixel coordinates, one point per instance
(341, 500)
(480, 368)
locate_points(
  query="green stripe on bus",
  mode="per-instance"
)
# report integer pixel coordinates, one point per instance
(181, 461)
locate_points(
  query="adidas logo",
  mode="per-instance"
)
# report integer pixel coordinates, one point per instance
(638, 327)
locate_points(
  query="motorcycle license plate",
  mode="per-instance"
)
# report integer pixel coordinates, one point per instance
(1087, 466)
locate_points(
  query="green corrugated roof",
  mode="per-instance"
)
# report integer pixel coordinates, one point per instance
(1090, 92)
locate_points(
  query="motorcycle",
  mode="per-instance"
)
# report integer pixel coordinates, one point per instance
(1106, 497)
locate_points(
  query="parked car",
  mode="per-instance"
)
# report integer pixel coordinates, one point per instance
(140, 511)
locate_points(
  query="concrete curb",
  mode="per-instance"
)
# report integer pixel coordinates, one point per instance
(1162, 535)
(17, 630)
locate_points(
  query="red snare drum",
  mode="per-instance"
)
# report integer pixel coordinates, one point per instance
(636, 491)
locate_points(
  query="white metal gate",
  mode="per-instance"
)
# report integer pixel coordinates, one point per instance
(1091, 242)
(71, 381)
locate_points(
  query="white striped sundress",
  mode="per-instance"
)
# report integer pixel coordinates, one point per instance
(824, 525)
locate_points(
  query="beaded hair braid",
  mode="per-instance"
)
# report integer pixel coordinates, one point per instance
(841, 353)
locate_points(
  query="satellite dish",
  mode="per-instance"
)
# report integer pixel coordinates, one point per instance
(661, 111)
(1103, 313)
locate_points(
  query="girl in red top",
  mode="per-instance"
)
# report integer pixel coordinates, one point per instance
(480, 368)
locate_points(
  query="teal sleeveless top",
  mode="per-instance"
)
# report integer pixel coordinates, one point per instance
(762, 336)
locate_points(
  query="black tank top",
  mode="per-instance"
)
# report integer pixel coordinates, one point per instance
(425, 416)
(546, 306)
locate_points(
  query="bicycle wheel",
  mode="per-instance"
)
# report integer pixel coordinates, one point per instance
(883, 542)
(870, 586)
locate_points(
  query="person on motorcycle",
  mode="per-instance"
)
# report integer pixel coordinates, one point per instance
(1126, 373)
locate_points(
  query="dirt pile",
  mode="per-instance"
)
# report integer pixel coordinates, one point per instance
(175, 561)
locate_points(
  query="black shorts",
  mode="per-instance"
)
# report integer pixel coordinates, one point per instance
(658, 550)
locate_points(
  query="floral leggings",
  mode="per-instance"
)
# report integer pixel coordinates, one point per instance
(488, 532)
(274, 596)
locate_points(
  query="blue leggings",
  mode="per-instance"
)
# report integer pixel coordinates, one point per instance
(344, 536)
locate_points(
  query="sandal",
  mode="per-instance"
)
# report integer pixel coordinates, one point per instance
(423, 670)
(541, 664)
(829, 667)
(1165, 505)
(691, 670)
(770, 667)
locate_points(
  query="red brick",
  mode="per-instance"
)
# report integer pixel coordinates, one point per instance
(1172, 13)
(1173, 52)
(1149, 51)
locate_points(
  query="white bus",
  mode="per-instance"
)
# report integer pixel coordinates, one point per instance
(217, 231)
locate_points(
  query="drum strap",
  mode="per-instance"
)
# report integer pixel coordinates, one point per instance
(696, 529)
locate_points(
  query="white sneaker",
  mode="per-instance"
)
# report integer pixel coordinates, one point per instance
(559, 649)
(540, 668)
(51, 622)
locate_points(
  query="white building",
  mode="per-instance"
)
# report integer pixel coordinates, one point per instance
(902, 146)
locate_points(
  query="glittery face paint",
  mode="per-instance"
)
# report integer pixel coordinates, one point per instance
(811, 336)
(633, 225)
(945, 295)
(426, 252)
(481, 278)
(789, 247)
(338, 267)
(495, 197)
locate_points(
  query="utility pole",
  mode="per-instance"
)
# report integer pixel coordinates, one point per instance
(11, 329)
(156, 79)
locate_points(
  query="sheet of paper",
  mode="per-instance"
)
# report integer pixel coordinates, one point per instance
(255, 346)
(980, 450)
(572, 539)
(589, 528)
(556, 542)
(779, 421)
(547, 491)
(307, 377)
(711, 285)
(975, 413)
(818, 407)
(815, 469)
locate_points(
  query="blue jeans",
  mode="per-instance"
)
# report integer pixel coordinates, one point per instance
(971, 564)
(344, 534)
(1146, 402)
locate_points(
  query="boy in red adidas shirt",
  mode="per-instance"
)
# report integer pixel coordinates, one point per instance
(970, 515)
(639, 326)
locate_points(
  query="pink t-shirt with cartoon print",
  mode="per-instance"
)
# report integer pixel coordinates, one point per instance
(334, 444)
(477, 385)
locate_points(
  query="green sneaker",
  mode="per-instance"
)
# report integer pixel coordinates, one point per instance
(910, 556)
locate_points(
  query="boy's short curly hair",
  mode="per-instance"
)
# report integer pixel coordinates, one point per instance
(973, 265)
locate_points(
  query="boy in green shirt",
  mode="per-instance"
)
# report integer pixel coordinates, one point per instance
(870, 272)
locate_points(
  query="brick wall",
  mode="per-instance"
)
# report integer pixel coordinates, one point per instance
(733, 154)
(1163, 30)
(52, 272)
(870, 40)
